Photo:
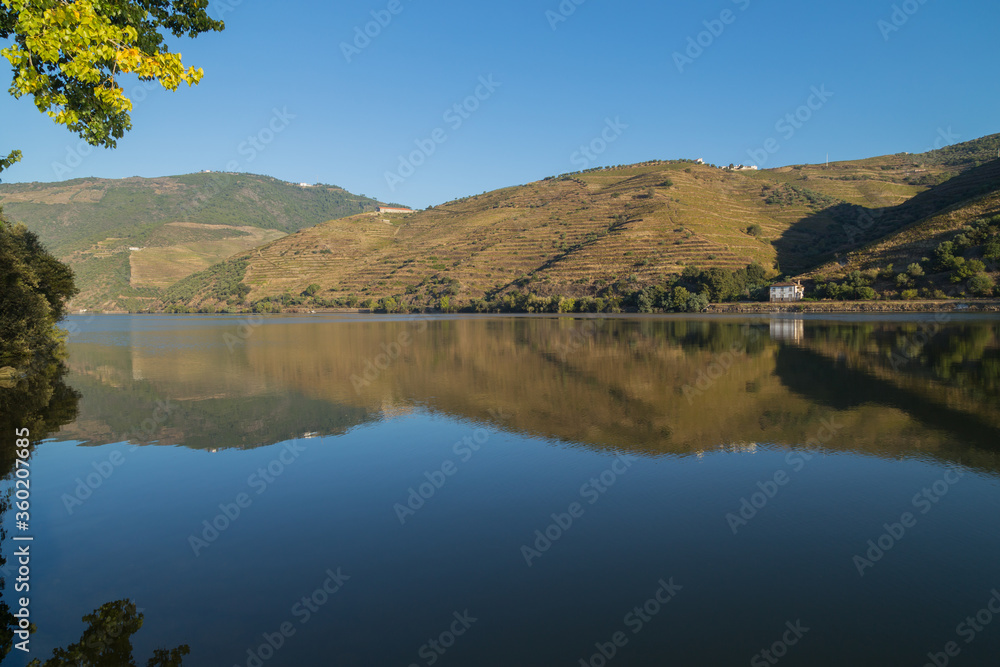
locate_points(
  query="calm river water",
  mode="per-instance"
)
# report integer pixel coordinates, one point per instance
(335, 490)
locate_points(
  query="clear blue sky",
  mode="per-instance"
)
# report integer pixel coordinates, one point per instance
(931, 80)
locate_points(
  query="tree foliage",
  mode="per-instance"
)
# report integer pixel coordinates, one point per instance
(68, 56)
(107, 641)
(856, 286)
(34, 289)
(721, 285)
(982, 285)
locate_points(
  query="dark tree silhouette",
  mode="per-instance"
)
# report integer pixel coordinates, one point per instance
(107, 642)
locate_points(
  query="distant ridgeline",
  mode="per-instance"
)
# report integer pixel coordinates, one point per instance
(655, 236)
(129, 239)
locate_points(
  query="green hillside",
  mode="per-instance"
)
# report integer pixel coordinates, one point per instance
(602, 233)
(183, 224)
(941, 243)
(954, 252)
(235, 241)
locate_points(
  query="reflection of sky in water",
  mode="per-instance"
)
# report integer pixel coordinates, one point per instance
(560, 417)
(334, 506)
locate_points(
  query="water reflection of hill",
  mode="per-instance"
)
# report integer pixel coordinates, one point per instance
(190, 396)
(651, 385)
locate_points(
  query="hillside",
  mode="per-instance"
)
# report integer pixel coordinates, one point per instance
(611, 230)
(127, 239)
(948, 244)
(917, 243)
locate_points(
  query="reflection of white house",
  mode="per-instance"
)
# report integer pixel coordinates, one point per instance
(390, 209)
(736, 448)
(791, 330)
(787, 292)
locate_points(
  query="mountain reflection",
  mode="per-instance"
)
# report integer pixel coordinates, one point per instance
(655, 386)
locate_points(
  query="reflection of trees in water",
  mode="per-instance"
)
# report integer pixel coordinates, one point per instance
(40, 400)
(719, 337)
(37, 399)
(967, 357)
(844, 387)
(107, 642)
(7, 621)
(962, 355)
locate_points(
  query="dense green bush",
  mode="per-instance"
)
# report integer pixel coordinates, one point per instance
(34, 289)
(968, 257)
(225, 283)
(982, 285)
(856, 286)
(721, 285)
(944, 256)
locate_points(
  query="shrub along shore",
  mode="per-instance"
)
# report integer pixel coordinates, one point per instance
(552, 306)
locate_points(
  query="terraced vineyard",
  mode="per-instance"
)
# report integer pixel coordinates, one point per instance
(570, 236)
(147, 244)
(577, 234)
(128, 239)
(182, 248)
(912, 243)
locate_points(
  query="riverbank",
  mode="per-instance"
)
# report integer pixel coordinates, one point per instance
(947, 306)
(745, 308)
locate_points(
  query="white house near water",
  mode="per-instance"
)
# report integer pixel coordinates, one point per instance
(787, 292)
